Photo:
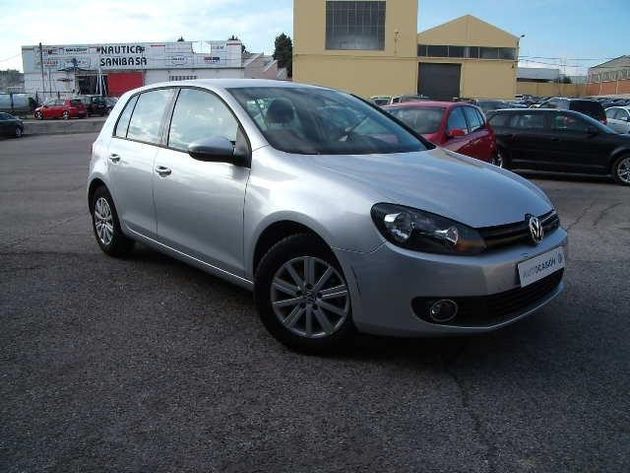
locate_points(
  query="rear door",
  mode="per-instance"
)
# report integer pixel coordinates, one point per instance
(530, 140)
(199, 204)
(132, 150)
(481, 139)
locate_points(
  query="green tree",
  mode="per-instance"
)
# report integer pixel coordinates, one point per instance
(283, 52)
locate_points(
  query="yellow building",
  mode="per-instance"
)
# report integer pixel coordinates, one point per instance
(371, 47)
(367, 47)
(467, 57)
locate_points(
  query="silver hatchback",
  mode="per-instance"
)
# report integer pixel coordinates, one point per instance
(337, 216)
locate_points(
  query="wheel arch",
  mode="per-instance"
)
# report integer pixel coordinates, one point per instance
(95, 184)
(276, 232)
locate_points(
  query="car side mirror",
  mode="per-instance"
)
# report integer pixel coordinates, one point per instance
(218, 149)
(456, 133)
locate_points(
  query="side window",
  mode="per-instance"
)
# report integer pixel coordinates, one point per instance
(612, 113)
(623, 114)
(146, 121)
(528, 121)
(125, 116)
(474, 120)
(197, 115)
(565, 122)
(499, 120)
(456, 120)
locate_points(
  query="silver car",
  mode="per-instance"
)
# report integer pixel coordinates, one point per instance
(619, 119)
(337, 216)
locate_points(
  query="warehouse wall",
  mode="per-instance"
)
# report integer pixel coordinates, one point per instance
(367, 73)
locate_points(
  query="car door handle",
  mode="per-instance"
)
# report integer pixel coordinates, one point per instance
(163, 171)
(114, 158)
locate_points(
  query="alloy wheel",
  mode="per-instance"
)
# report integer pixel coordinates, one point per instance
(103, 221)
(623, 170)
(309, 297)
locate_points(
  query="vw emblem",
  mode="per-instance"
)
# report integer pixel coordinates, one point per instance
(536, 230)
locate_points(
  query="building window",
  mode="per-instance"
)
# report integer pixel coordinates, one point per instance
(174, 78)
(472, 52)
(355, 25)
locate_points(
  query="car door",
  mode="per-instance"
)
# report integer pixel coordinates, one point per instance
(481, 140)
(579, 147)
(199, 204)
(137, 137)
(4, 124)
(530, 140)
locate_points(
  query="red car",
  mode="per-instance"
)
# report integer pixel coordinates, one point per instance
(457, 126)
(61, 108)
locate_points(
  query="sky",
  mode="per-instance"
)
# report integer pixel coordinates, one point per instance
(573, 34)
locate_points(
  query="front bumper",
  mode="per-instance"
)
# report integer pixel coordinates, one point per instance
(385, 282)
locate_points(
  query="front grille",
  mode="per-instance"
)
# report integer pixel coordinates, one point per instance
(496, 308)
(515, 233)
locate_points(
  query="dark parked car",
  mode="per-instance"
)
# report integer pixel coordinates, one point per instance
(10, 125)
(592, 108)
(560, 141)
(95, 105)
(457, 126)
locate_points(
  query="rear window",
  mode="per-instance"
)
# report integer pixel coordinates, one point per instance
(421, 120)
(589, 107)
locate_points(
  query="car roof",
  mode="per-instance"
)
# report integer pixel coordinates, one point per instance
(625, 107)
(215, 84)
(427, 104)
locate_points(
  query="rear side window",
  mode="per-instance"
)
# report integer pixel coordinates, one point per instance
(565, 122)
(612, 113)
(456, 120)
(474, 119)
(125, 116)
(200, 115)
(146, 120)
(528, 121)
(499, 120)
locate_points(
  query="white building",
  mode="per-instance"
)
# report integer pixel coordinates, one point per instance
(114, 68)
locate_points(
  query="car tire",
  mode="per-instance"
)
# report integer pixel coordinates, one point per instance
(18, 132)
(621, 170)
(39, 116)
(65, 115)
(106, 225)
(300, 308)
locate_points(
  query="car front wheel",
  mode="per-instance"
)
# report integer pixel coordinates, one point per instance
(302, 296)
(106, 225)
(18, 132)
(39, 116)
(621, 170)
(65, 115)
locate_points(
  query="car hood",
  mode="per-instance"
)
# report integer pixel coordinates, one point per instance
(443, 182)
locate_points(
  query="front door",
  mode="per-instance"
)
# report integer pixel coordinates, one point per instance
(199, 204)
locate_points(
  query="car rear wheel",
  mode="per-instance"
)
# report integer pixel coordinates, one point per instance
(106, 225)
(65, 115)
(621, 170)
(302, 296)
(39, 116)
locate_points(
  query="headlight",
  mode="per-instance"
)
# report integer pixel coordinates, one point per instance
(423, 231)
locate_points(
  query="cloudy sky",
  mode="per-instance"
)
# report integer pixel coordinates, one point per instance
(576, 33)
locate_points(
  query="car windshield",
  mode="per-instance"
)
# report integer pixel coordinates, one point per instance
(422, 120)
(319, 121)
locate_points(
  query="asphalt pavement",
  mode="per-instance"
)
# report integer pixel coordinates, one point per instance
(148, 365)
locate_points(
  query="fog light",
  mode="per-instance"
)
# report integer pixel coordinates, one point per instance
(443, 311)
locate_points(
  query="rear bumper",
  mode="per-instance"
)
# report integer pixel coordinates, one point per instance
(385, 283)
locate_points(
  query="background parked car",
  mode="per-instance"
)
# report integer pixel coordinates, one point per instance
(110, 102)
(61, 108)
(458, 126)
(95, 105)
(560, 141)
(10, 125)
(592, 108)
(381, 100)
(619, 119)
